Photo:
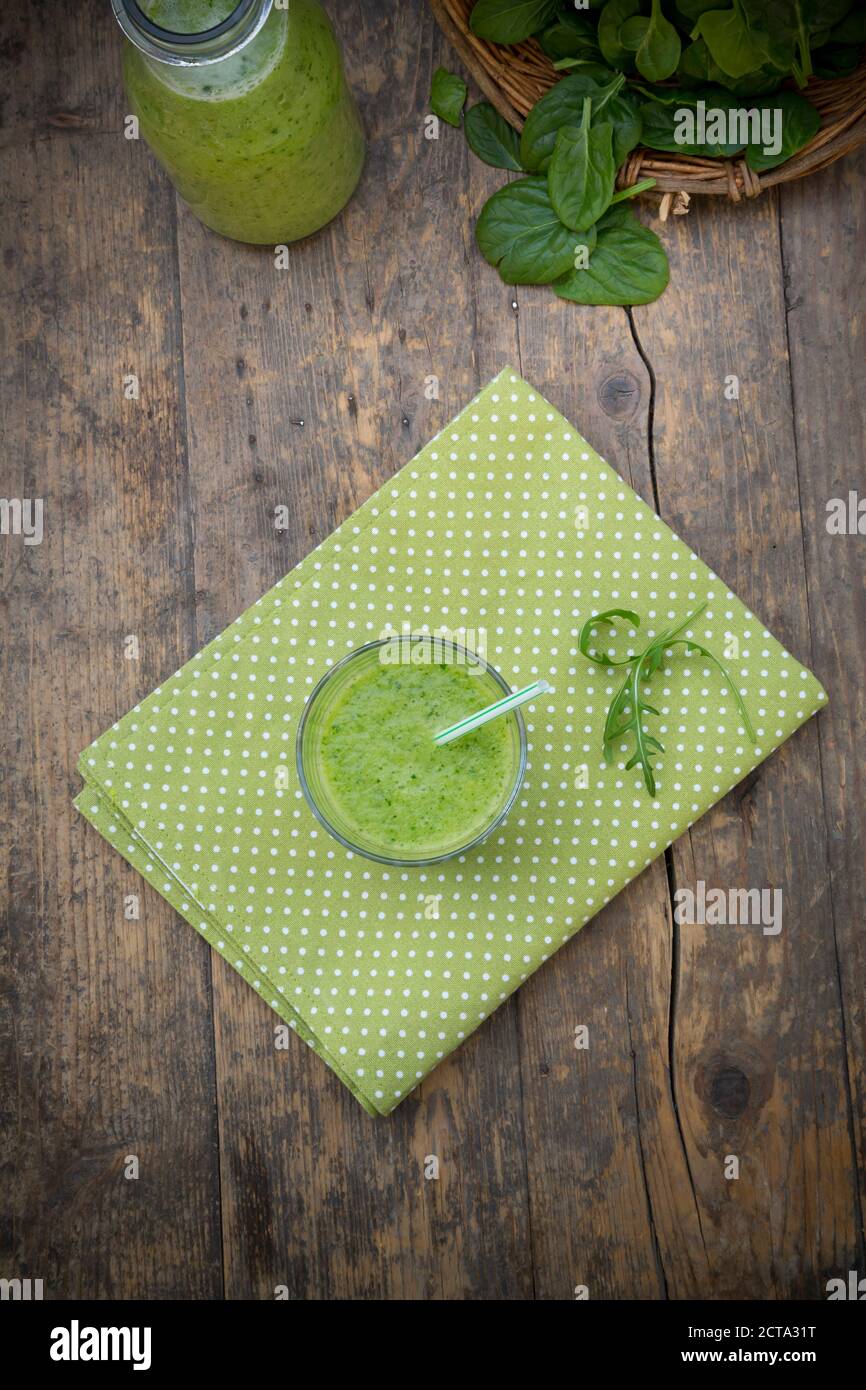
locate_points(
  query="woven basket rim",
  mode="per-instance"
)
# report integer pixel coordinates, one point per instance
(512, 77)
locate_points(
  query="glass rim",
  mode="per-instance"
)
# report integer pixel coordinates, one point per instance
(191, 49)
(394, 862)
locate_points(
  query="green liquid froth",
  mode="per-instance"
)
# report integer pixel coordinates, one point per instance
(393, 785)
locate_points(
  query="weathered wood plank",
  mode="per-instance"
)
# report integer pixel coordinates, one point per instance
(599, 1121)
(823, 230)
(106, 1030)
(557, 1167)
(757, 1032)
(315, 1194)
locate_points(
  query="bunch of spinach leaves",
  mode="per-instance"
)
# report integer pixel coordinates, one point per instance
(564, 223)
(728, 53)
(748, 46)
(632, 70)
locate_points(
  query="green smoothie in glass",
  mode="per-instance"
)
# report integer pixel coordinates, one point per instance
(256, 126)
(371, 769)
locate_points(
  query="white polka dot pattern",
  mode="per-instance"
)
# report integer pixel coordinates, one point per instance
(506, 522)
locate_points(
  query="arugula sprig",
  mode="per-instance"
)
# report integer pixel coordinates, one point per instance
(628, 708)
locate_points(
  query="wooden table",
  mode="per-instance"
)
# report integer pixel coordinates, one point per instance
(306, 388)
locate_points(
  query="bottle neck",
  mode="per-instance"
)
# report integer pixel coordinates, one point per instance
(192, 50)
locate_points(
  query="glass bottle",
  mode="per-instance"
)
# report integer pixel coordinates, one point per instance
(247, 108)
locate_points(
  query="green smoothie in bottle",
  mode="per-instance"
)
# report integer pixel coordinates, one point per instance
(248, 109)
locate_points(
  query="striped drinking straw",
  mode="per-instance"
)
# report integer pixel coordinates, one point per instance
(483, 716)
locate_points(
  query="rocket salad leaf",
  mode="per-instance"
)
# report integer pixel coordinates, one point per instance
(626, 716)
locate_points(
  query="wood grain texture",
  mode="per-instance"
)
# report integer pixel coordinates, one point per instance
(758, 1056)
(107, 1032)
(319, 371)
(307, 388)
(825, 346)
(601, 1121)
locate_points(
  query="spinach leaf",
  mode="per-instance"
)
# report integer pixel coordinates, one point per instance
(777, 35)
(633, 191)
(669, 96)
(660, 47)
(618, 216)
(491, 138)
(586, 241)
(623, 113)
(519, 231)
(697, 65)
(836, 60)
(752, 84)
(628, 265)
(851, 29)
(571, 36)
(563, 105)
(785, 30)
(566, 64)
(599, 73)
(509, 21)
(633, 32)
(800, 124)
(729, 40)
(447, 95)
(683, 96)
(582, 172)
(662, 120)
(690, 11)
(613, 16)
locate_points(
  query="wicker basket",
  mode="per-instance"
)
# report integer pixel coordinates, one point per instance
(514, 77)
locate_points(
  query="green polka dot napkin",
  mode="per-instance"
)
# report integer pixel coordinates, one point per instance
(506, 525)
